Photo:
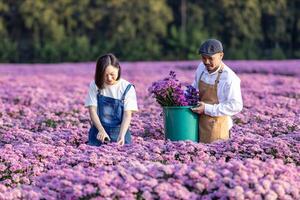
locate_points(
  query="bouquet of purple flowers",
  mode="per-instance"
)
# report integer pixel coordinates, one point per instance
(170, 92)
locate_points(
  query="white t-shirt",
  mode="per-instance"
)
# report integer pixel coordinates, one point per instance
(229, 92)
(114, 91)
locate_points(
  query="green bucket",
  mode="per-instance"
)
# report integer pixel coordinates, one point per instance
(180, 123)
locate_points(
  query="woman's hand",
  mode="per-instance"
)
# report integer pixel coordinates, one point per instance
(121, 140)
(199, 108)
(103, 137)
(124, 127)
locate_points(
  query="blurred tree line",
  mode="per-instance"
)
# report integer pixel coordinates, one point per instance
(72, 30)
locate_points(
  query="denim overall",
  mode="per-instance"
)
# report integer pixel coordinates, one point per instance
(110, 112)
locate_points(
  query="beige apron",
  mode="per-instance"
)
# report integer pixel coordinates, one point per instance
(211, 128)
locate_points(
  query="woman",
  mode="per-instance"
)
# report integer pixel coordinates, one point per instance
(110, 101)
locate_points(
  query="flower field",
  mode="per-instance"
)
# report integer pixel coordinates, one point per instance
(44, 125)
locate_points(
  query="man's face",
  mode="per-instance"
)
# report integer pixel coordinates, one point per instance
(212, 62)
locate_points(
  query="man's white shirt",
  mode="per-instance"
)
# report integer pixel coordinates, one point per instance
(229, 92)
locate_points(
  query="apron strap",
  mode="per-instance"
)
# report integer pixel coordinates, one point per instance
(219, 75)
(200, 79)
(125, 92)
(217, 79)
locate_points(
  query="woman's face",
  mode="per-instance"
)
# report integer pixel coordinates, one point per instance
(111, 75)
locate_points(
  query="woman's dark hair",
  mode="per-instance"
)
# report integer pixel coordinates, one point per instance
(102, 63)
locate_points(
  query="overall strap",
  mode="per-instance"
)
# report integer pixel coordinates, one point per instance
(98, 96)
(125, 92)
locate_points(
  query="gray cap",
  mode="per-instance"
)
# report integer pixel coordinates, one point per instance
(210, 47)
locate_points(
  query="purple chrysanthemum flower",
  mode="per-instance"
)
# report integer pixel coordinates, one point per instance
(192, 95)
(170, 92)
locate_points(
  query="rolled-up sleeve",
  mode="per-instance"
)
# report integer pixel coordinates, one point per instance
(233, 103)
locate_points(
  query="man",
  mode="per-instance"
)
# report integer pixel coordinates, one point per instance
(220, 93)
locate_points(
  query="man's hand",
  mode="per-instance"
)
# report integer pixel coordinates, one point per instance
(121, 140)
(103, 137)
(199, 109)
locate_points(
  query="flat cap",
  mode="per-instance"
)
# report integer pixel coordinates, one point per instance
(211, 47)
